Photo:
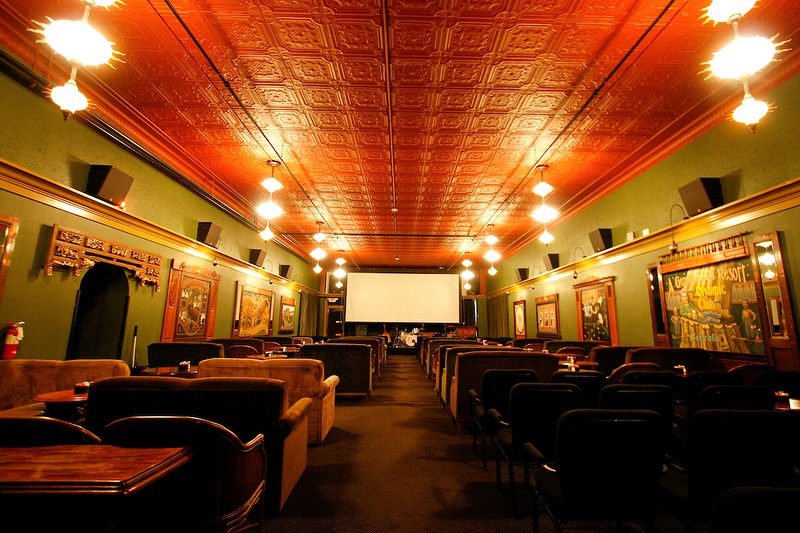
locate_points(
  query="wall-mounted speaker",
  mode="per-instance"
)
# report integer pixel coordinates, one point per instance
(208, 233)
(701, 195)
(550, 261)
(285, 271)
(258, 256)
(521, 273)
(601, 239)
(108, 183)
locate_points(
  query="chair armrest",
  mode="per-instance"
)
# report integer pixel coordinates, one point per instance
(532, 454)
(497, 418)
(293, 417)
(328, 385)
(474, 401)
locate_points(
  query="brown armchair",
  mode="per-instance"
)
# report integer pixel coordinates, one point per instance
(42, 431)
(223, 488)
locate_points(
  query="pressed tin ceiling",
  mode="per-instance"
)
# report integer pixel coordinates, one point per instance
(406, 127)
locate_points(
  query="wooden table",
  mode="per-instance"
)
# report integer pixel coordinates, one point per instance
(63, 404)
(82, 488)
(172, 371)
(85, 468)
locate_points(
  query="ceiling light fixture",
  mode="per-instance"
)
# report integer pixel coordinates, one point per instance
(543, 213)
(340, 272)
(318, 253)
(317, 269)
(319, 236)
(742, 57)
(266, 233)
(270, 209)
(82, 46)
(491, 255)
(467, 274)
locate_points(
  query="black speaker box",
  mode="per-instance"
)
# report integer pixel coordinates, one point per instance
(601, 239)
(701, 195)
(208, 233)
(285, 271)
(258, 256)
(522, 274)
(550, 261)
(108, 184)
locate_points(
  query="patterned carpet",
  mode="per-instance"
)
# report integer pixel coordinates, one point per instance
(394, 463)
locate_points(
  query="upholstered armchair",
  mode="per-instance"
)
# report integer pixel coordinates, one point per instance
(246, 406)
(223, 488)
(353, 363)
(305, 378)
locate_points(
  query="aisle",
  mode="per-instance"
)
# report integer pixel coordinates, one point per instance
(394, 463)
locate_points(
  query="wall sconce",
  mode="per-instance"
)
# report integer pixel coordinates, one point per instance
(673, 248)
(574, 255)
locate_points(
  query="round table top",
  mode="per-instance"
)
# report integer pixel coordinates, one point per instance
(173, 371)
(62, 396)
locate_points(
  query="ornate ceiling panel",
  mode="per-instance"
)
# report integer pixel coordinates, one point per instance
(406, 127)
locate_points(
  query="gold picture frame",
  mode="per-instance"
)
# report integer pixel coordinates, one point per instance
(191, 308)
(520, 320)
(286, 322)
(597, 310)
(548, 321)
(252, 313)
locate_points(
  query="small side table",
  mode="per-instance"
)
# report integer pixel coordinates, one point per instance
(63, 404)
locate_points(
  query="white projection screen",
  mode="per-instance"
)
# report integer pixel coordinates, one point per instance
(400, 297)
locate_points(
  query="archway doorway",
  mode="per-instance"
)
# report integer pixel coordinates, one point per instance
(101, 307)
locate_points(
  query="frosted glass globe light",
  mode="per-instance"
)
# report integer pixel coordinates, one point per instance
(271, 184)
(69, 98)
(744, 56)
(78, 42)
(544, 214)
(266, 234)
(542, 188)
(492, 270)
(546, 237)
(318, 253)
(269, 210)
(491, 256)
(750, 111)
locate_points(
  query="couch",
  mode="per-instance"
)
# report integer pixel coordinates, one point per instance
(172, 353)
(469, 369)
(22, 379)
(447, 363)
(305, 378)
(430, 362)
(379, 349)
(608, 358)
(227, 342)
(693, 359)
(554, 345)
(351, 362)
(246, 406)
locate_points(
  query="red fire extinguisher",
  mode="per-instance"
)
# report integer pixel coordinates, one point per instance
(13, 336)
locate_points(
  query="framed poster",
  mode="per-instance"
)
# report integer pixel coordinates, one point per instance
(191, 307)
(286, 322)
(597, 310)
(520, 321)
(548, 323)
(252, 314)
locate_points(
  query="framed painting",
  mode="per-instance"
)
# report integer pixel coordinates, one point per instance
(597, 310)
(252, 314)
(548, 323)
(286, 322)
(520, 320)
(191, 307)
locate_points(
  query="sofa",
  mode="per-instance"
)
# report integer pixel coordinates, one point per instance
(469, 369)
(172, 353)
(378, 345)
(693, 359)
(246, 406)
(227, 342)
(608, 358)
(305, 378)
(431, 363)
(22, 379)
(554, 345)
(351, 362)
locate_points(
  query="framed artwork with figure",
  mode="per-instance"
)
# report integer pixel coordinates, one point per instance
(597, 310)
(191, 307)
(252, 313)
(286, 321)
(548, 323)
(520, 321)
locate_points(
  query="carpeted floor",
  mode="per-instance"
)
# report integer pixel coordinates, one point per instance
(394, 463)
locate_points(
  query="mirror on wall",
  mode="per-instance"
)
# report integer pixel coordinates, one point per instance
(8, 236)
(779, 327)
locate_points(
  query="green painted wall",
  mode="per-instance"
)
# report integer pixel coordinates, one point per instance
(747, 163)
(35, 137)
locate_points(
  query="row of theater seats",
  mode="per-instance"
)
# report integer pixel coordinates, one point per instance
(599, 449)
